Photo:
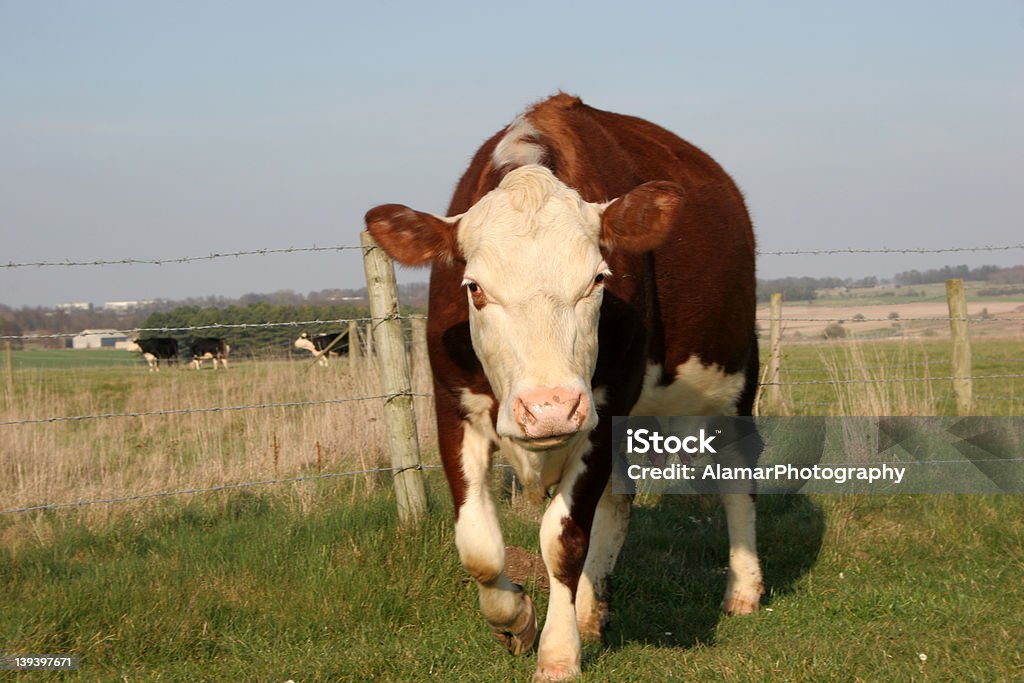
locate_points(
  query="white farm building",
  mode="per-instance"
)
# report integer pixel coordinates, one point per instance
(98, 339)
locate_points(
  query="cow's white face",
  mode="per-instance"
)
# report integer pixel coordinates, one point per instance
(534, 281)
(133, 345)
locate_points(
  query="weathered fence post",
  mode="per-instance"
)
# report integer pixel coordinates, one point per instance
(9, 362)
(354, 350)
(960, 360)
(773, 391)
(369, 343)
(399, 416)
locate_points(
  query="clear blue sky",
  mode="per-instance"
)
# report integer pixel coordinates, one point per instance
(157, 130)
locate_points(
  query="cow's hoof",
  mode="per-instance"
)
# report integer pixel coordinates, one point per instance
(738, 604)
(555, 672)
(520, 636)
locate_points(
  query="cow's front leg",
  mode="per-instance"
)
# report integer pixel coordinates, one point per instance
(745, 586)
(611, 520)
(564, 540)
(507, 608)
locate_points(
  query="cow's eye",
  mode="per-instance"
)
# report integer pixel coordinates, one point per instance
(600, 278)
(476, 293)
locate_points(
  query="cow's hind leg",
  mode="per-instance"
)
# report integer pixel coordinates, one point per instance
(507, 608)
(611, 520)
(708, 390)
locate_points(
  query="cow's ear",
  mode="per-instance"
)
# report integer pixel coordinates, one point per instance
(641, 219)
(413, 238)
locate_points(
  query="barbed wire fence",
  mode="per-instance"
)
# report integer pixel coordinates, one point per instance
(378, 318)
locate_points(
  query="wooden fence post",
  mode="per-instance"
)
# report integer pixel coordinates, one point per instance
(399, 416)
(355, 352)
(9, 362)
(369, 341)
(960, 360)
(773, 391)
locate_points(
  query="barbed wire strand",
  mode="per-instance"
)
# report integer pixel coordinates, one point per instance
(378, 321)
(215, 409)
(850, 319)
(131, 261)
(888, 379)
(68, 263)
(218, 326)
(886, 250)
(209, 489)
(897, 366)
(395, 472)
(387, 398)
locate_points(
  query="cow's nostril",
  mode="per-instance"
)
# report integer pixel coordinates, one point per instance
(523, 413)
(575, 406)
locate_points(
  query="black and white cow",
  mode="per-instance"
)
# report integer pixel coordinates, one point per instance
(324, 345)
(155, 349)
(209, 348)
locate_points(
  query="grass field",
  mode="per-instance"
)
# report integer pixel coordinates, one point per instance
(313, 581)
(978, 291)
(80, 358)
(818, 374)
(259, 587)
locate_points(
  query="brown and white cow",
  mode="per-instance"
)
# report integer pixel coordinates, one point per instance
(607, 269)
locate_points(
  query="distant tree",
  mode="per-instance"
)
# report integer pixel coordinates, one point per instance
(9, 328)
(916, 277)
(1009, 276)
(834, 331)
(864, 282)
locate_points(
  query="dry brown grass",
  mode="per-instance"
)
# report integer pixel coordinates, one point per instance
(58, 462)
(871, 380)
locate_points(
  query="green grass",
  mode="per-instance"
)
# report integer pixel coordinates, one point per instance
(316, 582)
(918, 360)
(244, 586)
(79, 358)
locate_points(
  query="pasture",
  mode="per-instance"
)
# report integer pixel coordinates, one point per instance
(65, 359)
(313, 580)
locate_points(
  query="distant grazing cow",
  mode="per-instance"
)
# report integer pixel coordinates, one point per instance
(336, 342)
(591, 264)
(209, 348)
(156, 349)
